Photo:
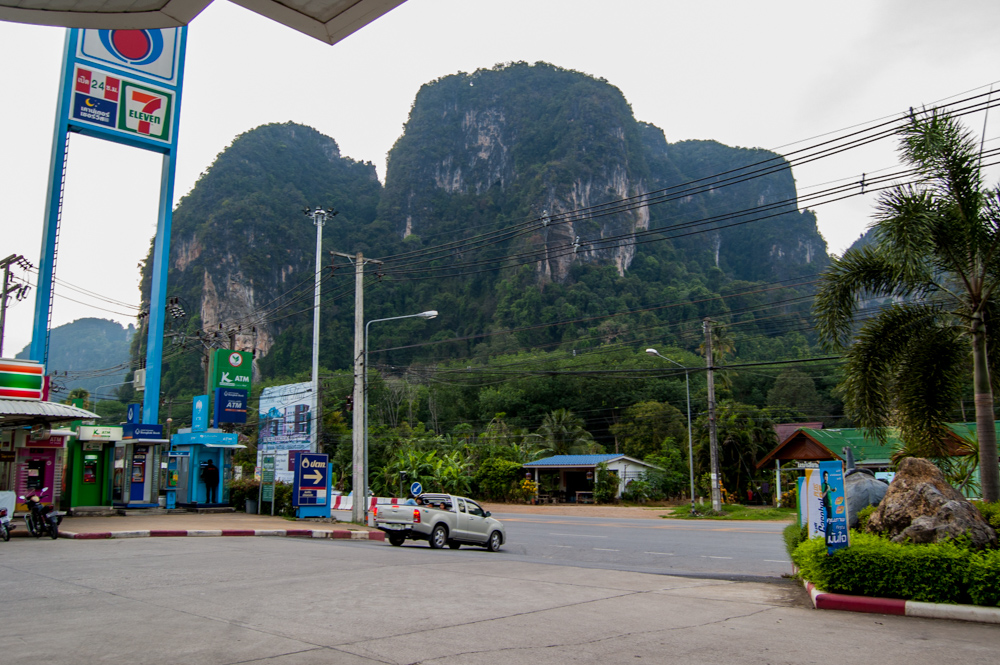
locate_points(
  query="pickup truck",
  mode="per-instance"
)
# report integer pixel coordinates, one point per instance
(441, 519)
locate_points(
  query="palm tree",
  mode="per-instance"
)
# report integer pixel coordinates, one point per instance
(562, 433)
(936, 256)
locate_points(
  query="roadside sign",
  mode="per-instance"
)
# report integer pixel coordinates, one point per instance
(230, 405)
(267, 479)
(834, 505)
(232, 369)
(21, 379)
(311, 475)
(416, 488)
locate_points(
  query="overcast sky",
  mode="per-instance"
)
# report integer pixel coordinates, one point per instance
(752, 74)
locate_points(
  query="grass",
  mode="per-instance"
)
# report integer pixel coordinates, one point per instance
(734, 511)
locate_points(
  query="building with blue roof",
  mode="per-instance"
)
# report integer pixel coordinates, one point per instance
(570, 478)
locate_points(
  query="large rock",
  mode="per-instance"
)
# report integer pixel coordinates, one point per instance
(920, 506)
(863, 490)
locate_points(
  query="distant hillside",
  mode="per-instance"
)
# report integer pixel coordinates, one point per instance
(83, 345)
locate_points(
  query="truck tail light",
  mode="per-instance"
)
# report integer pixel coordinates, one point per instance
(416, 516)
(376, 512)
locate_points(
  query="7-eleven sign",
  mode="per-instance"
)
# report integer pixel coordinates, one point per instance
(145, 111)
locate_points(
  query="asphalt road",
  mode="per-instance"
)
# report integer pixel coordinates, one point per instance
(297, 601)
(728, 550)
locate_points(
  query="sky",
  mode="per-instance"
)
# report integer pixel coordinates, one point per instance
(765, 74)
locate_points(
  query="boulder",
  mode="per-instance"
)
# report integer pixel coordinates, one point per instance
(922, 507)
(863, 490)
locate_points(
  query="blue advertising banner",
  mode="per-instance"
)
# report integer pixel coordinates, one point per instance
(134, 431)
(834, 505)
(199, 414)
(230, 405)
(311, 475)
(133, 414)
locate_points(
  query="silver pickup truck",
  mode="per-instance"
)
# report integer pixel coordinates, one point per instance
(441, 519)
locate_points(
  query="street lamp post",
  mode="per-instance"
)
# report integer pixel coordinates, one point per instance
(430, 314)
(319, 217)
(687, 381)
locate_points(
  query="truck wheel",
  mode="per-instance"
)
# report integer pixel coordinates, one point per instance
(496, 540)
(454, 544)
(396, 539)
(439, 537)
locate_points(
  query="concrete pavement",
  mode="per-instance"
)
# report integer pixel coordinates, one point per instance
(307, 601)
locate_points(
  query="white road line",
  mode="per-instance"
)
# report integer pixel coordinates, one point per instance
(661, 553)
(703, 556)
(775, 561)
(601, 549)
(576, 535)
(569, 546)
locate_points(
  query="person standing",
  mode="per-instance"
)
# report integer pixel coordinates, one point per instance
(210, 476)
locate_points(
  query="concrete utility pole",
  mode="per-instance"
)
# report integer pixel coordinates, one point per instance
(19, 290)
(713, 437)
(318, 217)
(359, 482)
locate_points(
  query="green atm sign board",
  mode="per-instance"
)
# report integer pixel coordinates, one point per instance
(231, 369)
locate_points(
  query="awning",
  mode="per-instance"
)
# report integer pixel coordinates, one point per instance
(22, 413)
(224, 445)
(326, 20)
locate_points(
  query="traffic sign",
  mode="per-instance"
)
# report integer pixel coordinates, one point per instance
(416, 488)
(311, 474)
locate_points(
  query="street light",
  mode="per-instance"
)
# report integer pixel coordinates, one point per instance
(687, 381)
(430, 314)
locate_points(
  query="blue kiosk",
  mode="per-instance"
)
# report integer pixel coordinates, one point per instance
(195, 452)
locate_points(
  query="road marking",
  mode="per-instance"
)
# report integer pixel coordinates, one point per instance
(576, 535)
(703, 556)
(775, 561)
(634, 526)
(602, 549)
(662, 553)
(569, 546)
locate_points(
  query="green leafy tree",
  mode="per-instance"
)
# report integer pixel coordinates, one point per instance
(794, 389)
(646, 426)
(562, 433)
(937, 257)
(605, 484)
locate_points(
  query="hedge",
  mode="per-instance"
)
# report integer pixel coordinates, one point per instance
(943, 572)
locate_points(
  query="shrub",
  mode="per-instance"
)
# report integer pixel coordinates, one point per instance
(243, 489)
(864, 515)
(945, 572)
(790, 499)
(990, 512)
(637, 491)
(793, 535)
(605, 484)
(496, 478)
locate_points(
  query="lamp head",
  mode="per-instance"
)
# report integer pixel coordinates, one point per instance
(429, 314)
(652, 352)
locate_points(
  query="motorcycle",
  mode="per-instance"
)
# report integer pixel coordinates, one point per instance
(41, 519)
(5, 526)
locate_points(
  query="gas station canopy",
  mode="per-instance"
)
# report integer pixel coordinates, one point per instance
(327, 20)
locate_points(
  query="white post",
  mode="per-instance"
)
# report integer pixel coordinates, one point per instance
(777, 483)
(319, 217)
(359, 508)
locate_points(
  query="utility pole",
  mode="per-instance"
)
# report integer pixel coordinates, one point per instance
(713, 437)
(359, 476)
(318, 217)
(20, 290)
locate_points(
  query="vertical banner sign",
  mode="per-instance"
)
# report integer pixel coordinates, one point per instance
(834, 505)
(199, 414)
(267, 479)
(310, 480)
(122, 86)
(812, 508)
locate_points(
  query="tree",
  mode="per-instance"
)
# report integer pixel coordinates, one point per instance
(646, 426)
(794, 389)
(936, 257)
(562, 433)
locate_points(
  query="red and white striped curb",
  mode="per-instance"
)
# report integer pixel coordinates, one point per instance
(911, 608)
(342, 534)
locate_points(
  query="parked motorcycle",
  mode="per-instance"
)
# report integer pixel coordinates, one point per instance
(41, 519)
(5, 526)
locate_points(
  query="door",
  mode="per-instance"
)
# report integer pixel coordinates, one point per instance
(477, 525)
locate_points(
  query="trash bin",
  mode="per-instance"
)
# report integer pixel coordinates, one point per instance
(251, 506)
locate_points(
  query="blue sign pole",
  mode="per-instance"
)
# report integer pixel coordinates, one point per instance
(39, 349)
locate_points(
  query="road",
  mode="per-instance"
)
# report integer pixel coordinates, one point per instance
(722, 549)
(297, 601)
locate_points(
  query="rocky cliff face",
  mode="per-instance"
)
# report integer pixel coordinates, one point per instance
(530, 140)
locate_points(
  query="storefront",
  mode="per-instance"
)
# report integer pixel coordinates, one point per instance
(138, 457)
(89, 466)
(35, 463)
